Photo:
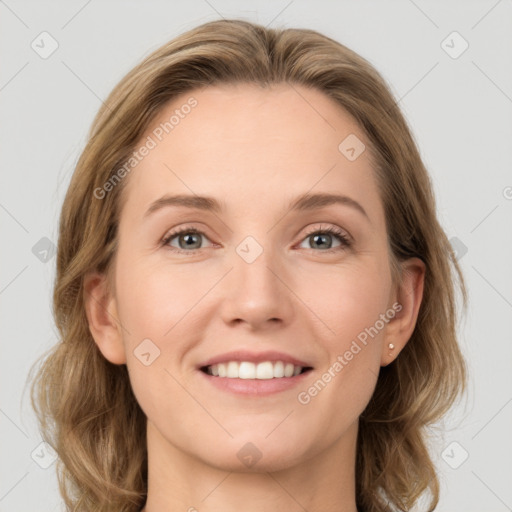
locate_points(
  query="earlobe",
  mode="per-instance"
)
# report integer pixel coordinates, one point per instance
(101, 314)
(409, 294)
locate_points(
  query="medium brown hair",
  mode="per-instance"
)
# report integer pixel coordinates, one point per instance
(85, 405)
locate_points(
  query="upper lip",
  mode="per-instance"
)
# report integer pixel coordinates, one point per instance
(254, 357)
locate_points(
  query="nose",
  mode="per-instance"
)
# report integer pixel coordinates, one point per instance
(257, 294)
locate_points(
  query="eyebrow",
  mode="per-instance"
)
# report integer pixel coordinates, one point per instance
(305, 202)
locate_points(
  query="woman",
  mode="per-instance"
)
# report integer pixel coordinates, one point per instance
(255, 297)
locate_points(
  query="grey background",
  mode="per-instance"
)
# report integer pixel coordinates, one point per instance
(460, 112)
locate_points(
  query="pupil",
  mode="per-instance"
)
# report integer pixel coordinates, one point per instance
(321, 237)
(188, 238)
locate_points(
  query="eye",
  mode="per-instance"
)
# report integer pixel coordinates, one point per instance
(188, 240)
(322, 238)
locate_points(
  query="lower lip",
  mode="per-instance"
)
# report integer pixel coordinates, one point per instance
(255, 387)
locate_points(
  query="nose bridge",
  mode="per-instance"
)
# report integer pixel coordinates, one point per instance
(256, 292)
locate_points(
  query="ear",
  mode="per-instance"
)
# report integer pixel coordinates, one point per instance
(101, 311)
(407, 300)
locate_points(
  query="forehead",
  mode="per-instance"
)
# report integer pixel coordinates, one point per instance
(243, 142)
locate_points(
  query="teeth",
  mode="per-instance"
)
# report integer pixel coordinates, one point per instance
(279, 369)
(247, 370)
(232, 370)
(265, 370)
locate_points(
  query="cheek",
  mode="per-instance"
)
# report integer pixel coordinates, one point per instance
(152, 299)
(152, 306)
(354, 306)
(349, 300)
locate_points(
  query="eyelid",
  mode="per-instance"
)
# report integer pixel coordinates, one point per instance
(331, 229)
(173, 233)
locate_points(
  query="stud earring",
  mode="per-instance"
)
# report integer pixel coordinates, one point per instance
(391, 347)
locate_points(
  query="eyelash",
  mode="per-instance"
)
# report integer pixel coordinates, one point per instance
(343, 238)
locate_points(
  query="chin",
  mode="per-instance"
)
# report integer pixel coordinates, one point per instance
(259, 455)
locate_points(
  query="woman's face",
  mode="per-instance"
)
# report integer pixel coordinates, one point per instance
(252, 279)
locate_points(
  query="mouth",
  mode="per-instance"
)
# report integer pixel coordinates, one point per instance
(254, 374)
(264, 370)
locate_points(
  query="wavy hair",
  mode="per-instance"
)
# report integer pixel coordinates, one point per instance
(85, 405)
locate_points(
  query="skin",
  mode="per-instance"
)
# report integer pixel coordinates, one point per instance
(254, 149)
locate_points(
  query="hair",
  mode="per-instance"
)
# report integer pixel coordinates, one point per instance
(85, 405)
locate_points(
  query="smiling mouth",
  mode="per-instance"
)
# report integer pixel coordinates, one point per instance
(265, 370)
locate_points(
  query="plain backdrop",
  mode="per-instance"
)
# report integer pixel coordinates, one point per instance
(450, 66)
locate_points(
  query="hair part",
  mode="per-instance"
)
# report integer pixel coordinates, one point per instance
(85, 405)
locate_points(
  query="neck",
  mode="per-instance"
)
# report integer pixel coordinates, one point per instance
(178, 481)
